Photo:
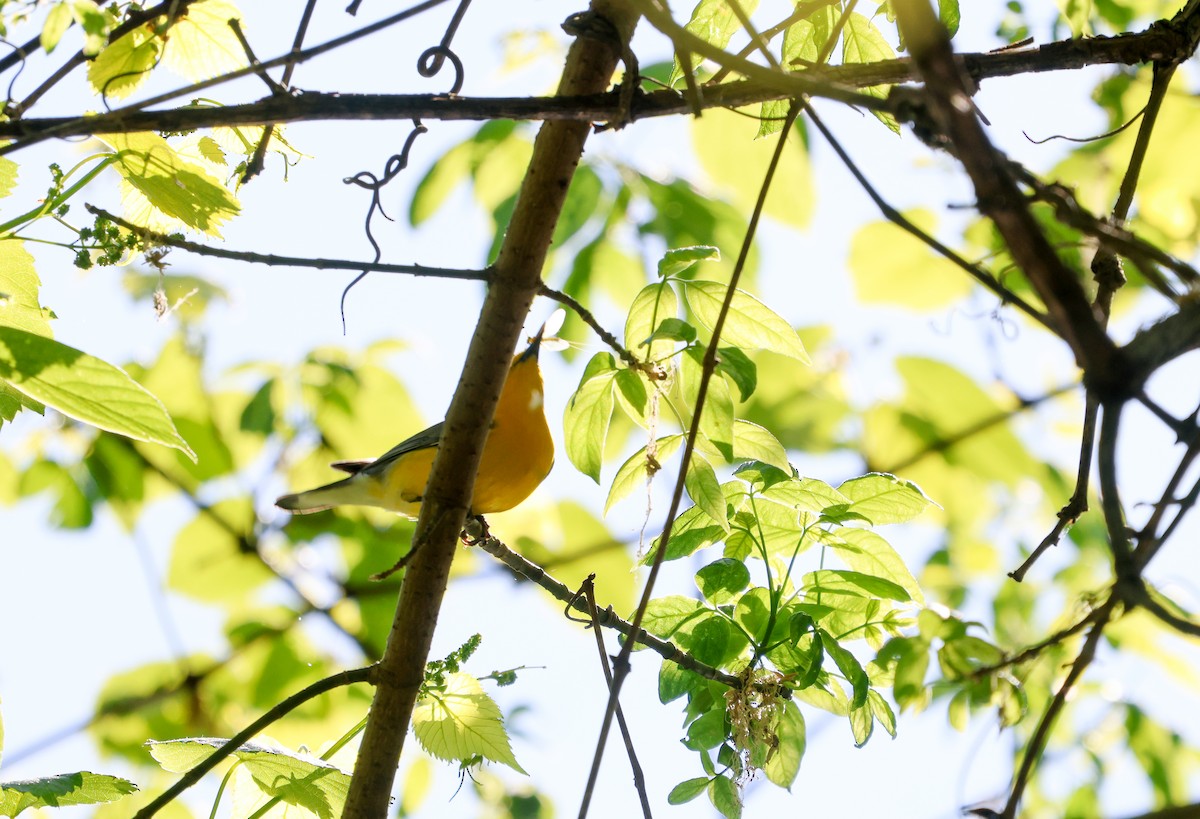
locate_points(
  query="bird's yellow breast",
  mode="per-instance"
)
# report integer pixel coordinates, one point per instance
(517, 455)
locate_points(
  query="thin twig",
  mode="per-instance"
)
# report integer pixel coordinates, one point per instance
(708, 368)
(154, 237)
(1036, 744)
(588, 590)
(664, 648)
(194, 775)
(974, 270)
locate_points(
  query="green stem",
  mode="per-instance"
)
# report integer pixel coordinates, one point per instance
(53, 204)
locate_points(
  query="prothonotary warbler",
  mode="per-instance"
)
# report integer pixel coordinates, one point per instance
(517, 456)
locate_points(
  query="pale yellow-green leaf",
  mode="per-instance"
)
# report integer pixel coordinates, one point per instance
(124, 64)
(700, 480)
(208, 561)
(866, 552)
(19, 283)
(201, 44)
(653, 304)
(640, 468)
(461, 722)
(715, 22)
(890, 266)
(85, 388)
(56, 24)
(754, 443)
(736, 162)
(181, 190)
(862, 42)
(784, 764)
(749, 324)
(8, 174)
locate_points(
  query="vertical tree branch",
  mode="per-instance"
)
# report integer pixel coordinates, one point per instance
(515, 280)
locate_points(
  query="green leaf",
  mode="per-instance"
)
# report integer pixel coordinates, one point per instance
(19, 284)
(82, 788)
(674, 329)
(848, 664)
(57, 22)
(588, 416)
(674, 682)
(748, 324)
(722, 580)
(210, 562)
(700, 480)
(753, 612)
(707, 731)
(654, 304)
(459, 722)
(783, 765)
(868, 553)
(84, 388)
(882, 498)
(863, 43)
(693, 530)
(8, 176)
(666, 615)
(631, 390)
(948, 13)
(737, 162)
(171, 185)
(882, 712)
(750, 441)
(723, 793)
(201, 44)
(638, 470)
(677, 260)
(124, 64)
(802, 44)
(714, 22)
(890, 266)
(744, 373)
(317, 787)
(687, 790)
(862, 724)
(853, 584)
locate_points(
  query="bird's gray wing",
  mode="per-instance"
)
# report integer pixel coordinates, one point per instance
(422, 440)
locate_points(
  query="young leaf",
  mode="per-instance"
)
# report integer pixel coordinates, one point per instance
(723, 793)
(631, 391)
(57, 22)
(749, 323)
(866, 552)
(707, 731)
(702, 487)
(714, 22)
(883, 498)
(862, 724)
(173, 186)
(124, 64)
(460, 722)
(753, 611)
(755, 443)
(588, 415)
(863, 43)
(853, 584)
(84, 388)
(83, 788)
(640, 468)
(882, 712)
(295, 777)
(654, 304)
(677, 260)
(722, 580)
(201, 44)
(19, 284)
(734, 363)
(848, 664)
(687, 790)
(784, 764)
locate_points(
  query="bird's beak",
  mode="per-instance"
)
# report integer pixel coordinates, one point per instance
(534, 346)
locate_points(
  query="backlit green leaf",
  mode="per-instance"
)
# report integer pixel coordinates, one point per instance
(702, 487)
(714, 22)
(124, 64)
(862, 42)
(868, 553)
(848, 664)
(655, 303)
(460, 722)
(175, 187)
(201, 44)
(83, 788)
(749, 324)
(84, 388)
(890, 266)
(783, 766)
(56, 24)
(588, 415)
(724, 794)
(687, 790)
(640, 468)
(677, 260)
(19, 284)
(722, 580)
(883, 498)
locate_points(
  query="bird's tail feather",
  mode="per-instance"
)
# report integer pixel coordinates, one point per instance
(322, 498)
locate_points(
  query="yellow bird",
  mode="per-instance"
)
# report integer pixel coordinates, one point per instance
(517, 456)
